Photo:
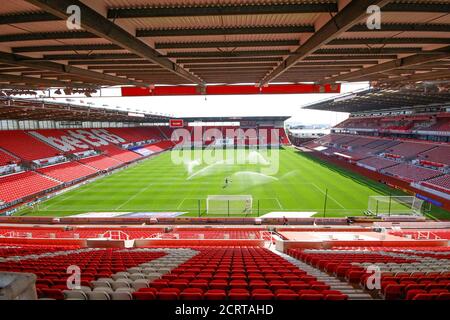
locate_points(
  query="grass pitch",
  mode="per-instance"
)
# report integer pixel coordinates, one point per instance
(298, 183)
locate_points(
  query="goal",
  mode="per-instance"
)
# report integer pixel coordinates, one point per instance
(395, 205)
(229, 204)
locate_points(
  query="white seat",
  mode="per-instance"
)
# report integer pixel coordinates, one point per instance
(103, 289)
(135, 270)
(116, 277)
(101, 283)
(120, 284)
(140, 283)
(121, 295)
(130, 290)
(98, 295)
(75, 295)
(136, 276)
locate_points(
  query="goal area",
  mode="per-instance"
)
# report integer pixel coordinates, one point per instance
(229, 204)
(394, 205)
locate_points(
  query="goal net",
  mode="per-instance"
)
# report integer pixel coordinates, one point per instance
(395, 205)
(229, 204)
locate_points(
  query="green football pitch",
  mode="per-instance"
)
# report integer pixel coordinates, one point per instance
(181, 181)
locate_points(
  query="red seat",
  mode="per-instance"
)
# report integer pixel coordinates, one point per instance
(239, 294)
(167, 295)
(425, 296)
(286, 294)
(215, 294)
(238, 284)
(312, 296)
(52, 293)
(413, 292)
(443, 296)
(262, 294)
(187, 294)
(336, 297)
(179, 283)
(258, 284)
(275, 285)
(153, 290)
(393, 292)
(139, 295)
(199, 283)
(218, 284)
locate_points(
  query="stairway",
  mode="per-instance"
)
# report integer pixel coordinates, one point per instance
(333, 282)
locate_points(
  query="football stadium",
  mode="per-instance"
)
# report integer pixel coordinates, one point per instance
(198, 185)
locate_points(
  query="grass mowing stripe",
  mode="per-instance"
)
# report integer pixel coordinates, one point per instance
(298, 185)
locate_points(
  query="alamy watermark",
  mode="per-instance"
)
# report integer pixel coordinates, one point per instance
(73, 21)
(236, 146)
(373, 21)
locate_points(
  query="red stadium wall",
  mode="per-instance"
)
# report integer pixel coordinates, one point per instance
(195, 242)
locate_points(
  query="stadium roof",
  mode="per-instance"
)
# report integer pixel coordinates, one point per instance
(140, 43)
(236, 119)
(377, 99)
(30, 109)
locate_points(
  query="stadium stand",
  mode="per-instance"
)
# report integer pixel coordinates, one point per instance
(94, 264)
(424, 234)
(409, 149)
(158, 146)
(22, 185)
(440, 183)
(377, 163)
(78, 232)
(195, 233)
(101, 162)
(68, 172)
(436, 156)
(6, 158)
(25, 146)
(411, 172)
(119, 154)
(403, 270)
(235, 273)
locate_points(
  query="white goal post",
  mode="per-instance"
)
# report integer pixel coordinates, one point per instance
(395, 205)
(229, 204)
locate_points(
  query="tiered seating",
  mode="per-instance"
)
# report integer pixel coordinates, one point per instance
(440, 183)
(411, 172)
(77, 232)
(436, 155)
(119, 154)
(366, 123)
(425, 234)
(69, 171)
(61, 135)
(166, 131)
(442, 125)
(377, 163)
(21, 185)
(101, 162)
(25, 146)
(6, 159)
(405, 272)
(133, 134)
(14, 250)
(409, 149)
(158, 146)
(222, 233)
(93, 263)
(237, 273)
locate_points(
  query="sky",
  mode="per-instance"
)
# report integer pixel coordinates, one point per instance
(231, 105)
